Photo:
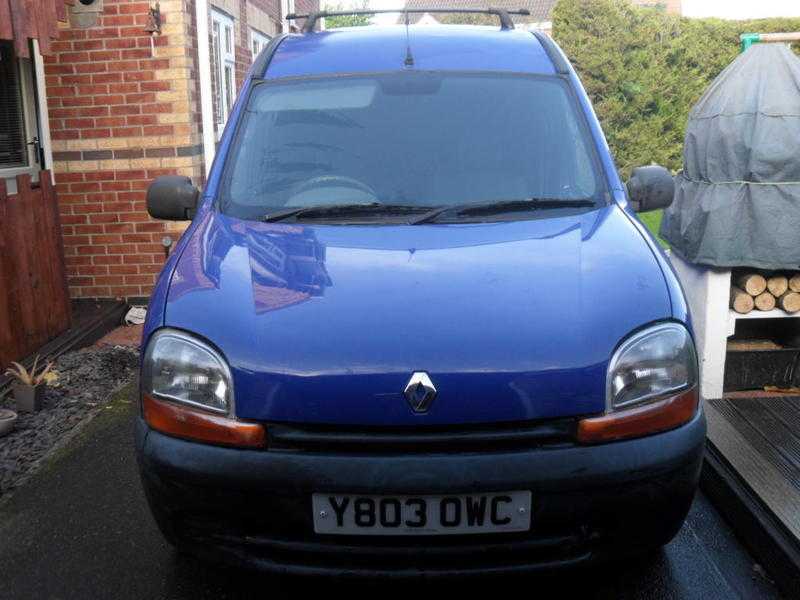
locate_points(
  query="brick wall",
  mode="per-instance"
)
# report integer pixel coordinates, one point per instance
(121, 113)
(244, 54)
(271, 9)
(124, 109)
(304, 7)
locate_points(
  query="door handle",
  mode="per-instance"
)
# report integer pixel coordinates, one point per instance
(37, 150)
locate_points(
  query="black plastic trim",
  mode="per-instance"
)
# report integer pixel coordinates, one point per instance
(252, 508)
(553, 52)
(265, 56)
(419, 440)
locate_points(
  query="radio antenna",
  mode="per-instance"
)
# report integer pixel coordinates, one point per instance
(409, 62)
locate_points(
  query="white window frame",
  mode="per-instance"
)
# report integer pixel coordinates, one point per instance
(29, 119)
(287, 8)
(223, 34)
(258, 41)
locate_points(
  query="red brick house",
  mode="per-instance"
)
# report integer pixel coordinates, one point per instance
(110, 94)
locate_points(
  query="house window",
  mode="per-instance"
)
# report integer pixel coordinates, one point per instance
(19, 137)
(13, 148)
(258, 41)
(224, 65)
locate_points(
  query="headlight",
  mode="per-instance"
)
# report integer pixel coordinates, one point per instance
(183, 369)
(651, 386)
(651, 364)
(187, 392)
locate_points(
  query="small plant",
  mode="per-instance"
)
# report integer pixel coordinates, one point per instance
(32, 377)
(29, 388)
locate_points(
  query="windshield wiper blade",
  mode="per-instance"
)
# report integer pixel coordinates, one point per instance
(490, 208)
(340, 210)
(429, 216)
(280, 215)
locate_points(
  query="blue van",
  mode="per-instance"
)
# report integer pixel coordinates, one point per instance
(415, 326)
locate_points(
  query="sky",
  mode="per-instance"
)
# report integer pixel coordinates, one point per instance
(741, 9)
(388, 4)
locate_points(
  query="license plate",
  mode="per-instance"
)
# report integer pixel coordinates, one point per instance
(352, 514)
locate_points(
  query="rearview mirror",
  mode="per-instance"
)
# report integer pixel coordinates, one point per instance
(650, 188)
(172, 197)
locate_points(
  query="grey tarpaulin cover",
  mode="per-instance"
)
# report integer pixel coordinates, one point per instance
(737, 202)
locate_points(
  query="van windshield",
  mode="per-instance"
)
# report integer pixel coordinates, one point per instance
(409, 139)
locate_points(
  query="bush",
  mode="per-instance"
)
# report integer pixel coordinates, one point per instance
(644, 69)
(347, 20)
(467, 19)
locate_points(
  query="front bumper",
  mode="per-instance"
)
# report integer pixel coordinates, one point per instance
(252, 508)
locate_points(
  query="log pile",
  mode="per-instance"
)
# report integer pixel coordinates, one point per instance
(751, 290)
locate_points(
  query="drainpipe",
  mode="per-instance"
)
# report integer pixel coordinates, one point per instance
(204, 72)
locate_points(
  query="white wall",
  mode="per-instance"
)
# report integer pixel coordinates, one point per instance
(741, 9)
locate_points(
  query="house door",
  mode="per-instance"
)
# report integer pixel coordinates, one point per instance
(21, 149)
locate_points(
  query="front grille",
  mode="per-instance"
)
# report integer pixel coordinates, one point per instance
(408, 440)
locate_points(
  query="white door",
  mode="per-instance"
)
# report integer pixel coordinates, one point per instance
(224, 58)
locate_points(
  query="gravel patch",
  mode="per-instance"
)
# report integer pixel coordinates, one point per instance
(87, 380)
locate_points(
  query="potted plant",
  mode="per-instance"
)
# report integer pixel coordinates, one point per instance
(7, 420)
(29, 385)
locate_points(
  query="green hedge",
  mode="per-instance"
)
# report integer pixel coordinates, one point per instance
(644, 69)
(346, 20)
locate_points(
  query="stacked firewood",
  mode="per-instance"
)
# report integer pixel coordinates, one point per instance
(765, 291)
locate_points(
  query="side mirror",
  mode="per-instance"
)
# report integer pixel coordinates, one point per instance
(172, 197)
(650, 188)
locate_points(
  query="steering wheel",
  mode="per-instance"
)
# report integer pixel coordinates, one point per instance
(331, 181)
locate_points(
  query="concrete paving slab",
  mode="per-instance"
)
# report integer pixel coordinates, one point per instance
(124, 335)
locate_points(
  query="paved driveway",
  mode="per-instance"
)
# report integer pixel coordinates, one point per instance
(81, 529)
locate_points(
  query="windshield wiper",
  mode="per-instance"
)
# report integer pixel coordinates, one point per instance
(341, 210)
(502, 206)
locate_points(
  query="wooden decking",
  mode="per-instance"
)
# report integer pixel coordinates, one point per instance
(759, 437)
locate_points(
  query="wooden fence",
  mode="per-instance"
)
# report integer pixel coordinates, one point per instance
(34, 300)
(35, 19)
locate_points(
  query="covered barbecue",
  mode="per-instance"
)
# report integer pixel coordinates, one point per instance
(737, 200)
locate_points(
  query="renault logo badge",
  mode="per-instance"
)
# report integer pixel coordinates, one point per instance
(420, 392)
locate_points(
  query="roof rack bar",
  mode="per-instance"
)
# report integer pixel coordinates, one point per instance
(504, 15)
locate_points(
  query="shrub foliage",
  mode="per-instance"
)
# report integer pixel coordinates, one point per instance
(347, 20)
(644, 69)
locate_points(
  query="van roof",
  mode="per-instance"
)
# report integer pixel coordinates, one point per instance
(434, 48)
